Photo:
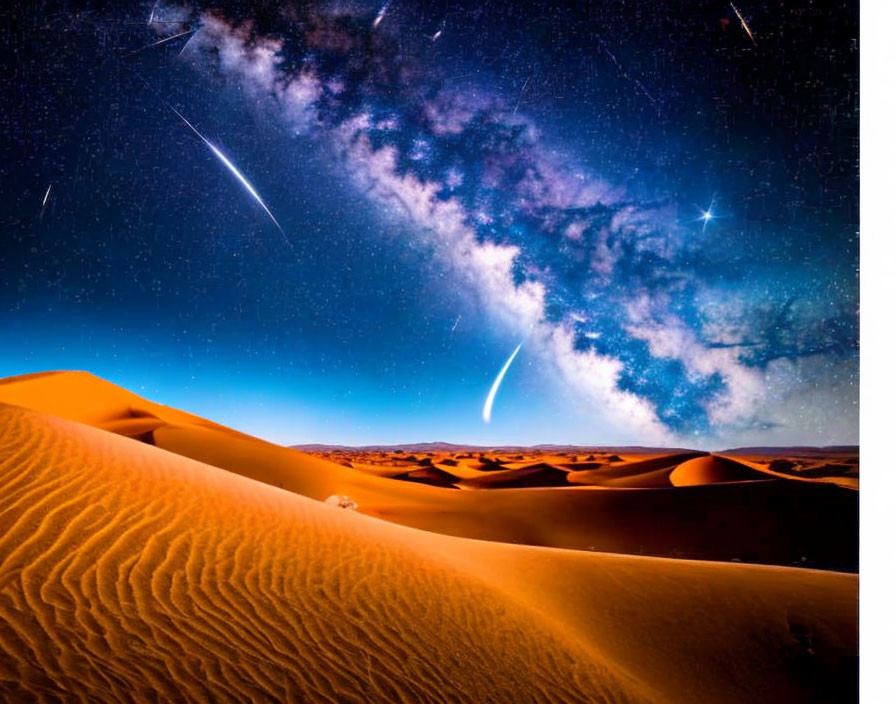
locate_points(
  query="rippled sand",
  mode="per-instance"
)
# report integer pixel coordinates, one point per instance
(131, 573)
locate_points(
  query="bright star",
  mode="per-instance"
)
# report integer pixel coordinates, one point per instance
(707, 215)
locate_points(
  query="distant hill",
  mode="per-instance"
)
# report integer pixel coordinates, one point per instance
(452, 447)
(805, 451)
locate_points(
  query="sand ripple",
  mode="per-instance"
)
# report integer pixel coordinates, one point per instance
(131, 574)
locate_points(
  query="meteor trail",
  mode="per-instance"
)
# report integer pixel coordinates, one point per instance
(380, 15)
(743, 23)
(520, 96)
(186, 44)
(490, 399)
(622, 70)
(161, 41)
(43, 203)
(233, 170)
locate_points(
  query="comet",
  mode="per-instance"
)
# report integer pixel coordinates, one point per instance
(743, 23)
(490, 399)
(233, 170)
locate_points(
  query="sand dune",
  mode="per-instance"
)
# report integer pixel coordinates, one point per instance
(540, 474)
(712, 469)
(130, 573)
(839, 468)
(771, 522)
(635, 472)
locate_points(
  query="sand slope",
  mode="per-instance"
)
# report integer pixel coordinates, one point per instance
(777, 521)
(712, 470)
(128, 573)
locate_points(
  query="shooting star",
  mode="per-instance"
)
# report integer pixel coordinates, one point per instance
(163, 41)
(435, 37)
(456, 321)
(233, 170)
(43, 203)
(186, 44)
(743, 23)
(490, 399)
(152, 13)
(520, 96)
(380, 15)
(622, 70)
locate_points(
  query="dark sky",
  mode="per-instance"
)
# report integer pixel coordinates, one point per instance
(662, 210)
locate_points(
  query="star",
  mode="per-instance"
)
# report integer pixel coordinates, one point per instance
(708, 214)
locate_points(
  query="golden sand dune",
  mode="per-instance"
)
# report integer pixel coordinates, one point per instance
(841, 469)
(635, 472)
(772, 522)
(650, 479)
(539, 474)
(712, 469)
(129, 573)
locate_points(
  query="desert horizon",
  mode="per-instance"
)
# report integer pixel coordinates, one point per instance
(148, 552)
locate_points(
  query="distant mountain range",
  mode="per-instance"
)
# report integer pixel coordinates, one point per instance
(453, 447)
(796, 450)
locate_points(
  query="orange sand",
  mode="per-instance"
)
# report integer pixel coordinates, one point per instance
(129, 572)
(773, 522)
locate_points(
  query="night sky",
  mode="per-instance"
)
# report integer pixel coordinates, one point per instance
(661, 208)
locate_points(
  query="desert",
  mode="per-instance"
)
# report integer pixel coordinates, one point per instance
(151, 555)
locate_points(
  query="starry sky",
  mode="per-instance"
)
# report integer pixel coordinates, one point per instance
(658, 201)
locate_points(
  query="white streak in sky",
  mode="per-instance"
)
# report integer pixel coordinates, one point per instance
(487, 408)
(46, 196)
(743, 23)
(622, 71)
(380, 15)
(235, 171)
(186, 44)
(163, 41)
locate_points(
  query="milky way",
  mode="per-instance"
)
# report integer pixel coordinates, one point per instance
(607, 285)
(662, 323)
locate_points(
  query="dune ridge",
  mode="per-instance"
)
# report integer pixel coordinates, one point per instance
(129, 573)
(712, 469)
(813, 523)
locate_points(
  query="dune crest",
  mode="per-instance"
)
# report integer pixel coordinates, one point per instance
(712, 469)
(128, 573)
(623, 504)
